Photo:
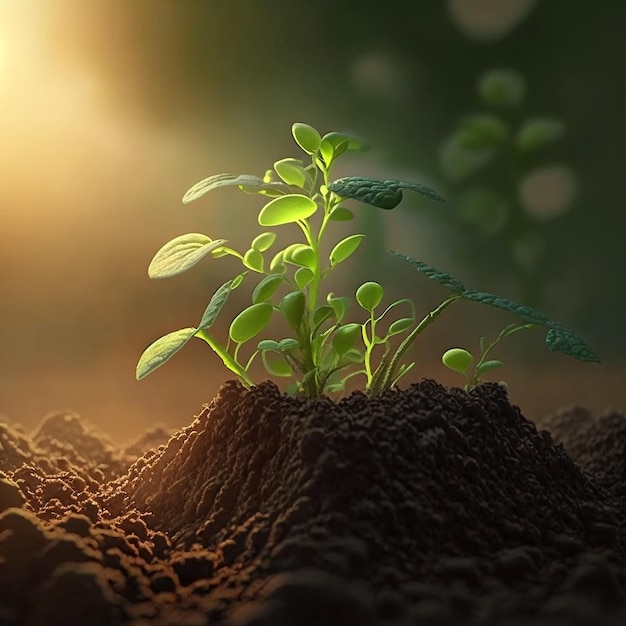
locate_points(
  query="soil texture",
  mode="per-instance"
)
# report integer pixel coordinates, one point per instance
(424, 507)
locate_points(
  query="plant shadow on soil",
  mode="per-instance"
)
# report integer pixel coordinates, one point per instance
(426, 506)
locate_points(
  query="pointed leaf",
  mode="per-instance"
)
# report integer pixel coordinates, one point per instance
(383, 194)
(250, 322)
(216, 304)
(253, 259)
(447, 280)
(339, 305)
(268, 344)
(266, 288)
(162, 350)
(344, 249)
(229, 180)
(303, 277)
(488, 366)
(341, 214)
(263, 242)
(288, 344)
(181, 253)
(286, 209)
(561, 339)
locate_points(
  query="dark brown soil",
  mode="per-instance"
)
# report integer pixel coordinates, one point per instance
(423, 507)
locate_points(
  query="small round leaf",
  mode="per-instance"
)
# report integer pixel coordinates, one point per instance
(341, 214)
(369, 295)
(250, 322)
(287, 209)
(306, 137)
(457, 359)
(291, 171)
(400, 326)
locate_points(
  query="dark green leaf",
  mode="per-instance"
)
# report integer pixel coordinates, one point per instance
(482, 132)
(502, 88)
(538, 132)
(383, 194)
(561, 339)
(447, 280)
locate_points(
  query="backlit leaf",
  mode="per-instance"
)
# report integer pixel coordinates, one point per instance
(306, 137)
(181, 253)
(345, 337)
(303, 277)
(286, 209)
(162, 350)
(253, 183)
(266, 287)
(263, 242)
(253, 259)
(291, 171)
(215, 304)
(369, 295)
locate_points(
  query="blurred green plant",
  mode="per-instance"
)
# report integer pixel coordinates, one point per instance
(496, 162)
(322, 346)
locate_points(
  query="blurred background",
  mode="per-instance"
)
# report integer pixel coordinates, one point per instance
(111, 110)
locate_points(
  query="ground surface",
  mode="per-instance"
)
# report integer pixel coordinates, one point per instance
(424, 507)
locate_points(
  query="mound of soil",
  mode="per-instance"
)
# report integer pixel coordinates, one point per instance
(425, 506)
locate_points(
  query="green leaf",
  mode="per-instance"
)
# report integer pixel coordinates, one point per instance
(181, 253)
(216, 304)
(263, 242)
(320, 315)
(286, 209)
(229, 180)
(488, 366)
(482, 132)
(344, 249)
(268, 344)
(383, 194)
(442, 278)
(339, 305)
(502, 88)
(288, 344)
(253, 260)
(399, 326)
(484, 344)
(457, 359)
(561, 339)
(306, 137)
(369, 295)
(538, 132)
(304, 256)
(341, 214)
(291, 171)
(345, 337)
(485, 208)
(266, 288)
(332, 150)
(277, 265)
(292, 306)
(250, 322)
(276, 366)
(303, 277)
(337, 141)
(352, 356)
(162, 350)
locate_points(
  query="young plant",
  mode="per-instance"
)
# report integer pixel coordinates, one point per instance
(460, 360)
(322, 351)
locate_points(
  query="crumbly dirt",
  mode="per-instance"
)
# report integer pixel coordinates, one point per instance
(427, 506)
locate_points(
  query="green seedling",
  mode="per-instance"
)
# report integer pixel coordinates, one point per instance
(323, 350)
(461, 361)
